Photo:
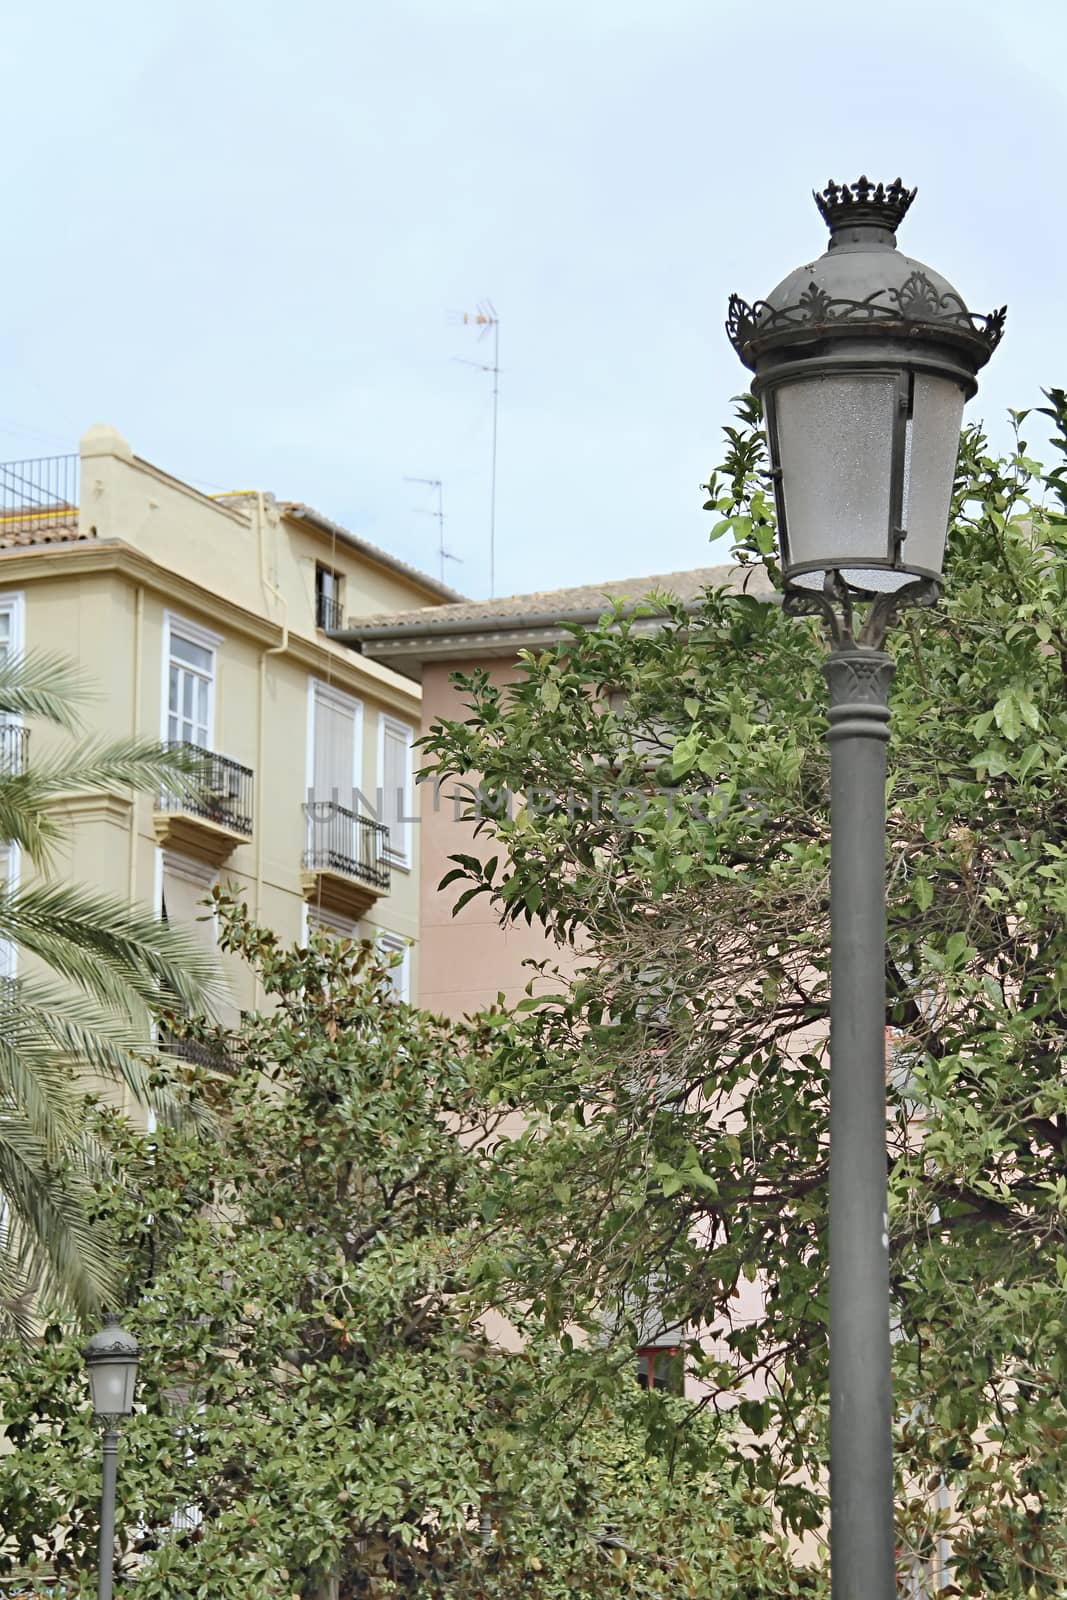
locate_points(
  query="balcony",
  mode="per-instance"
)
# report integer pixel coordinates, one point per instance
(215, 818)
(207, 1053)
(14, 746)
(329, 612)
(346, 865)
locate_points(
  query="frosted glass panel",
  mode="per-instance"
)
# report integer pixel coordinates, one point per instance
(934, 430)
(835, 441)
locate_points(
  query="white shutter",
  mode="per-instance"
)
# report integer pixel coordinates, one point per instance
(334, 749)
(394, 766)
(185, 885)
(333, 771)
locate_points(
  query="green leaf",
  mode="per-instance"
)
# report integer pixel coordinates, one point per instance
(1007, 716)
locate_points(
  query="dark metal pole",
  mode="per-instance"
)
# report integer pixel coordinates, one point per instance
(106, 1565)
(861, 1446)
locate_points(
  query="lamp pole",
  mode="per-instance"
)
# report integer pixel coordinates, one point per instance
(109, 1481)
(860, 1392)
(111, 1358)
(862, 361)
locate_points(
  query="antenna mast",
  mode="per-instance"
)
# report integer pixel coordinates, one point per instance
(439, 516)
(486, 318)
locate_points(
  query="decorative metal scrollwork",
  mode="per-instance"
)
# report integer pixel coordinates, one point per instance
(917, 301)
(835, 603)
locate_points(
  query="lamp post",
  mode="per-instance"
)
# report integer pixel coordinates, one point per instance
(111, 1359)
(862, 361)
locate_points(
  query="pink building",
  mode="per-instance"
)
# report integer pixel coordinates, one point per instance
(468, 959)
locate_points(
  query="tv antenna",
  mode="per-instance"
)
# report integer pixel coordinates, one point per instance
(439, 516)
(485, 318)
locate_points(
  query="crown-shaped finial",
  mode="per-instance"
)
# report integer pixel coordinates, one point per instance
(850, 205)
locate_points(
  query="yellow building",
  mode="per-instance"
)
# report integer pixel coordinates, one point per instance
(208, 619)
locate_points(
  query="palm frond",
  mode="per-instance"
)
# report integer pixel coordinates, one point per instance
(48, 1244)
(46, 1044)
(143, 764)
(25, 822)
(93, 766)
(40, 684)
(117, 966)
(119, 954)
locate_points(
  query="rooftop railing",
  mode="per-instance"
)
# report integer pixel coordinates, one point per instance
(37, 495)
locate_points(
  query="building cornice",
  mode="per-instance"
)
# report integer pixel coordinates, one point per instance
(93, 806)
(97, 558)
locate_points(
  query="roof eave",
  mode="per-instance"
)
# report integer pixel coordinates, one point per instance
(407, 647)
(495, 622)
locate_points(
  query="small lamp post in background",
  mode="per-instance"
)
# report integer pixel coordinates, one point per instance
(111, 1359)
(863, 361)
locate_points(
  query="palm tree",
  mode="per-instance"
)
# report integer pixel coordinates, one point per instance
(104, 970)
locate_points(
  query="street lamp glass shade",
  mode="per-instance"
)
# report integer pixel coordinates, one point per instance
(111, 1359)
(835, 455)
(932, 445)
(866, 462)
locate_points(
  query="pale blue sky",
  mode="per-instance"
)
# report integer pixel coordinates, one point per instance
(239, 232)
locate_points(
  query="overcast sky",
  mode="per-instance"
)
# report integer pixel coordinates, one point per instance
(243, 233)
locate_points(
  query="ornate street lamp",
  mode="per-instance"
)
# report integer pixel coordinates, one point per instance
(111, 1359)
(863, 361)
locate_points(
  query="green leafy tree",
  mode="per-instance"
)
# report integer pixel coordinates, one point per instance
(325, 1410)
(672, 806)
(100, 971)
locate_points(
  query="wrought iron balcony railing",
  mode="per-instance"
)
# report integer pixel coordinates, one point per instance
(329, 612)
(14, 747)
(338, 840)
(37, 495)
(208, 1053)
(222, 794)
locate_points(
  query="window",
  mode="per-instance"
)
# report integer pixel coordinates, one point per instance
(334, 834)
(329, 599)
(391, 944)
(394, 784)
(334, 734)
(10, 625)
(184, 885)
(189, 684)
(11, 743)
(658, 1367)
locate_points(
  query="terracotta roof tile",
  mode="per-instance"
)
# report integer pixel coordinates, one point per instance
(563, 603)
(21, 530)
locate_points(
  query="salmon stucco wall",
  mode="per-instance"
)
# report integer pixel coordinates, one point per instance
(469, 959)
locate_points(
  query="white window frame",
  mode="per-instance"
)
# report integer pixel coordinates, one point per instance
(318, 688)
(13, 604)
(197, 634)
(320, 920)
(398, 852)
(13, 601)
(201, 874)
(333, 590)
(389, 944)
